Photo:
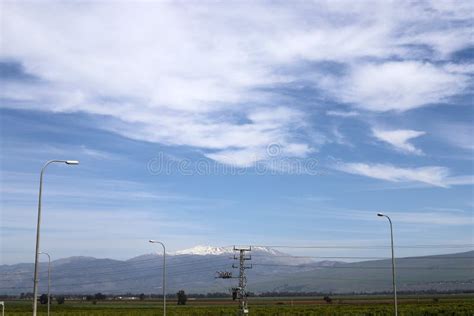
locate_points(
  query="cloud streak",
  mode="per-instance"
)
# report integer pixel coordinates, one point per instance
(397, 85)
(431, 175)
(399, 139)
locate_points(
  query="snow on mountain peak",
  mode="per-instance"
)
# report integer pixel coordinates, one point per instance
(267, 250)
(215, 251)
(205, 250)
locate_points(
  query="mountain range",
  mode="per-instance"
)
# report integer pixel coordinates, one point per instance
(194, 270)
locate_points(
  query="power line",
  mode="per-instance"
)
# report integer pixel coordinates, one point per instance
(454, 246)
(112, 270)
(435, 257)
(193, 262)
(135, 262)
(358, 267)
(205, 269)
(213, 267)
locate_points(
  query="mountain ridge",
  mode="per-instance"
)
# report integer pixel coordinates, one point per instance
(272, 271)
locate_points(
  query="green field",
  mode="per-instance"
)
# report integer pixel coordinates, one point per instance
(368, 305)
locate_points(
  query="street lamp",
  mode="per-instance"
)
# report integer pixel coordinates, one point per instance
(35, 282)
(164, 273)
(49, 279)
(393, 264)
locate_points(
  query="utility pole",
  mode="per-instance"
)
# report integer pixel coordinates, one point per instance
(49, 280)
(394, 283)
(164, 272)
(240, 292)
(38, 224)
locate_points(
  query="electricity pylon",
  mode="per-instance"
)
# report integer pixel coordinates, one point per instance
(241, 292)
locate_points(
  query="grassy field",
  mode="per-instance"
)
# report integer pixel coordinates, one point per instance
(369, 305)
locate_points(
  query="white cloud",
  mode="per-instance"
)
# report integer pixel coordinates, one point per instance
(248, 157)
(238, 157)
(339, 137)
(398, 86)
(399, 139)
(342, 113)
(432, 175)
(460, 68)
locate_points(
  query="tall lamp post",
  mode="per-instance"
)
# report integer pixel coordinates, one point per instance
(164, 273)
(393, 265)
(35, 282)
(49, 279)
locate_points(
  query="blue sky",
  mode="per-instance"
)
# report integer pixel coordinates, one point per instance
(235, 123)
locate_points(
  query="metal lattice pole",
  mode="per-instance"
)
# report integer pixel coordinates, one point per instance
(241, 290)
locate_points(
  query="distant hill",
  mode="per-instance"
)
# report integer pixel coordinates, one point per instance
(194, 271)
(429, 273)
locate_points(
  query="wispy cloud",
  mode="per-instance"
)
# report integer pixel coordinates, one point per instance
(250, 143)
(397, 85)
(431, 175)
(94, 231)
(457, 134)
(23, 186)
(460, 180)
(342, 113)
(399, 139)
(427, 216)
(434, 218)
(437, 217)
(25, 149)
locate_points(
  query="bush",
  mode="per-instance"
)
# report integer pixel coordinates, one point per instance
(328, 299)
(100, 297)
(182, 297)
(43, 299)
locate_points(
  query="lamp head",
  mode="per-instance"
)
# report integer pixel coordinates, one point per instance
(380, 214)
(72, 162)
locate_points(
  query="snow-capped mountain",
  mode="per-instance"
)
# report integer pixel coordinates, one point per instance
(193, 269)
